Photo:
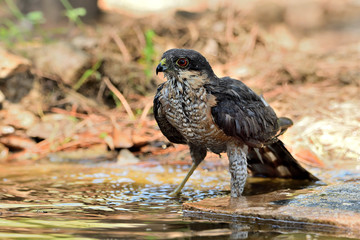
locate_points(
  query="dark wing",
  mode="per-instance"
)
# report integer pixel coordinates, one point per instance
(274, 160)
(166, 128)
(241, 113)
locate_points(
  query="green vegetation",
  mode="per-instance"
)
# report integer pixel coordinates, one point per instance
(21, 26)
(19, 29)
(73, 14)
(116, 100)
(149, 53)
(87, 74)
(103, 135)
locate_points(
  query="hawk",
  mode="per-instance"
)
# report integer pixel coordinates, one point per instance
(208, 113)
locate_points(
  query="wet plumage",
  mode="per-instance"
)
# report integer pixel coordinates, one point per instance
(208, 113)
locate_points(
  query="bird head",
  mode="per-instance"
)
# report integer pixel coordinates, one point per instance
(184, 64)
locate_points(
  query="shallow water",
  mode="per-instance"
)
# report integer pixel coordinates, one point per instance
(105, 201)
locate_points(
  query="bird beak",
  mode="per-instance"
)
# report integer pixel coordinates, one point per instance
(162, 66)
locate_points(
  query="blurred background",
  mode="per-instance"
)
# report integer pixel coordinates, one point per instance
(81, 155)
(80, 75)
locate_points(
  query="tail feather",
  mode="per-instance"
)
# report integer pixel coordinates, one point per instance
(274, 160)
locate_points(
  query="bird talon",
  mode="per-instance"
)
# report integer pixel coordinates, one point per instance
(174, 194)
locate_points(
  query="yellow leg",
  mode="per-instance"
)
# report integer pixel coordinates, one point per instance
(182, 184)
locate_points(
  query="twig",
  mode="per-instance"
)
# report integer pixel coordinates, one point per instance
(250, 46)
(119, 96)
(121, 45)
(140, 36)
(145, 111)
(100, 92)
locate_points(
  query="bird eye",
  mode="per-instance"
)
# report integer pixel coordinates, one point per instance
(182, 62)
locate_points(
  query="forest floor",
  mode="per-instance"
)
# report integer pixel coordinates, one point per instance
(85, 91)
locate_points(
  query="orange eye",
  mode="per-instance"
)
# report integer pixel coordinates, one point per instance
(182, 62)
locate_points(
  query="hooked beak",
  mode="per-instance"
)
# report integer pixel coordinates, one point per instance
(162, 66)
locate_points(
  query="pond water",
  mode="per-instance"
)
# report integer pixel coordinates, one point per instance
(106, 201)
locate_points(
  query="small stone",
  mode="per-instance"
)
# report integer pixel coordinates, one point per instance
(52, 125)
(18, 117)
(91, 153)
(61, 59)
(4, 130)
(17, 141)
(2, 97)
(4, 152)
(11, 64)
(126, 157)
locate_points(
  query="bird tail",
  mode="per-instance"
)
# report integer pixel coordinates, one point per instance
(274, 160)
